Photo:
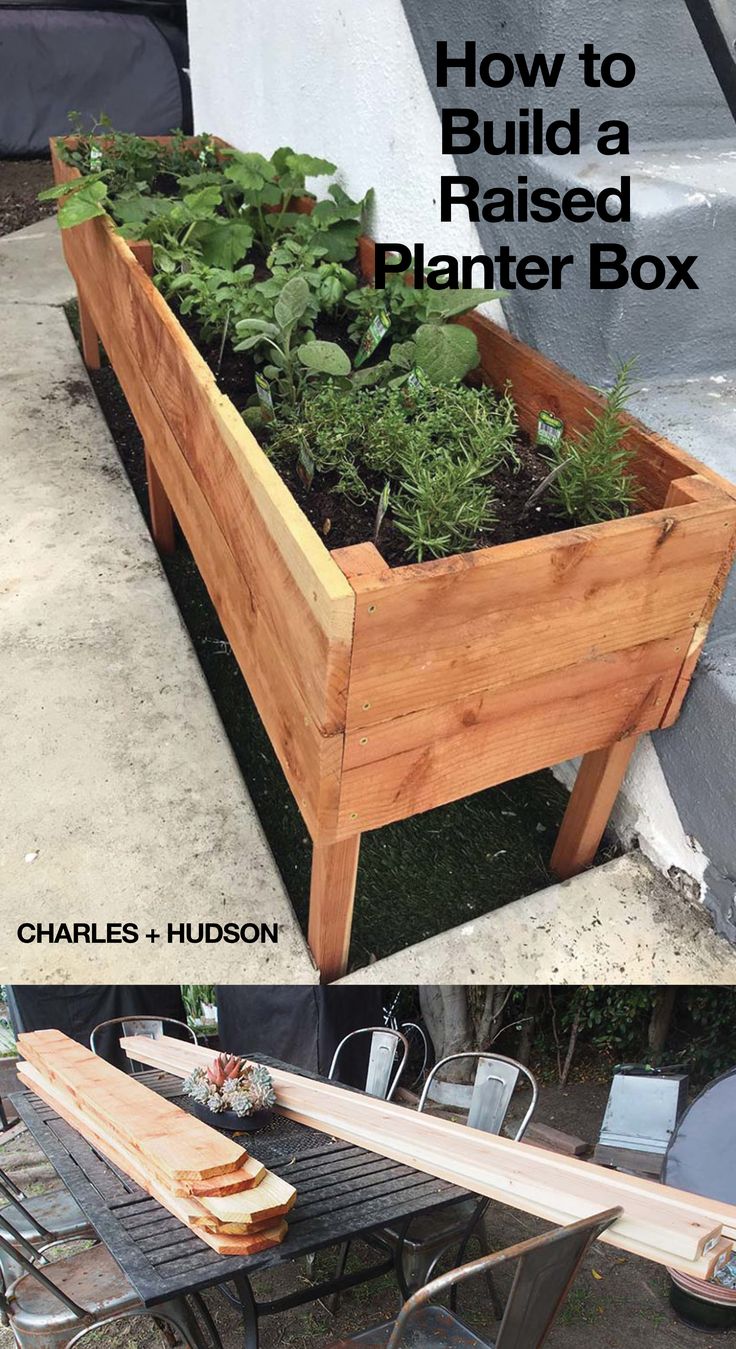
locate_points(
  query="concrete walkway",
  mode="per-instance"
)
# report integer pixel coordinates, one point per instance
(621, 923)
(120, 800)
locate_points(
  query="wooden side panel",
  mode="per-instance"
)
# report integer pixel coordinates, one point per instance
(429, 634)
(310, 760)
(477, 669)
(424, 759)
(285, 605)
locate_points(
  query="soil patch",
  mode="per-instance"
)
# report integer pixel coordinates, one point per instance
(342, 522)
(20, 182)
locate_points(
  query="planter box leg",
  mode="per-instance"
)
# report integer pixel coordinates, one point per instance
(331, 896)
(599, 777)
(88, 333)
(162, 516)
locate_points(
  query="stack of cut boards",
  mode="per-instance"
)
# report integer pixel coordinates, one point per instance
(205, 1179)
(673, 1228)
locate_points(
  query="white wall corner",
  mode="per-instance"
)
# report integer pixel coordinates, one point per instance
(645, 814)
(343, 81)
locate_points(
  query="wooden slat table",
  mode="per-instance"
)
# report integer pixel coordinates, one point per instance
(342, 1192)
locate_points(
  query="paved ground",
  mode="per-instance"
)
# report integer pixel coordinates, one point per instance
(121, 800)
(621, 923)
(618, 1300)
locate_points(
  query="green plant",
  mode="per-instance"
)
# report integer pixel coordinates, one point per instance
(8, 1046)
(593, 482)
(290, 366)
(231, 1084)
(425, 454)
(421, 325)
(194, 997)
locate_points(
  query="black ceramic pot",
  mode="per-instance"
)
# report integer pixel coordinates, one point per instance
(230, 1122)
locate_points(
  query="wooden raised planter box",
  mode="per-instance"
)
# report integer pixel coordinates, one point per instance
(388, 691)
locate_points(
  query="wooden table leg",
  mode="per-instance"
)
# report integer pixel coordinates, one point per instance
(331, 897)
(90, 340)
(162, 516)
(596, 787)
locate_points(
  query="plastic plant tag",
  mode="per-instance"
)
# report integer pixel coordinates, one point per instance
(550, 429)
(305, 467)
(95, 156)
(416, 380)
(265, 397)
(372, 337)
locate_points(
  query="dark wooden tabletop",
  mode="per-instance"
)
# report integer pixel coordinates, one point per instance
(342, 1191)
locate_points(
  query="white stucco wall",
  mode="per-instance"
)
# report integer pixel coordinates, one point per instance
(336, 78)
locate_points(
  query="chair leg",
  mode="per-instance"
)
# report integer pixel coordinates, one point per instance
(178, 1314)
(342, 1260)
(206, 1316)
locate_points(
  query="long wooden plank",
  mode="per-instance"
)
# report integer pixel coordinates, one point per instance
(187, 1212)
(432, 633)
(418, 761)
(273, 1198)
(178, 1145)
(679, 1227)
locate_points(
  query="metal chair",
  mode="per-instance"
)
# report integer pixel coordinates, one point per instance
(42, 1308)
(420, 1245)
(152, 1026)
(546, 1269)
(386, 1041)
(384, 1047)
(40, 1220)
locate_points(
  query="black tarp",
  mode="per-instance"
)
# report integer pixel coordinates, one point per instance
(298, 1025)
(76, 1009)
(127, 61)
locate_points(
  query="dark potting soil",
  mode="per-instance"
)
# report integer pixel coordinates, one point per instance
(20, 182)
(416, 878)
(342, 522)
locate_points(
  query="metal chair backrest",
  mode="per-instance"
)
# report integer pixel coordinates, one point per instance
(9, 1187)
(152, 1026)
(488, 1098)
(23, 1254)
(384, 1046)
(14, 1197)
(545, 1273)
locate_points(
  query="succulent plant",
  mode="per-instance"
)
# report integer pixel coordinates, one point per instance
(231, 1083)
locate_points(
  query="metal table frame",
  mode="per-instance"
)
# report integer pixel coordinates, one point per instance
(343, 1192)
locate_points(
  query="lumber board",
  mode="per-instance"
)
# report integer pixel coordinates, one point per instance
(273, 1198)
(661, 1224)
(429, 757)
(177, 1144)
(186, 1211)
(249, 1174)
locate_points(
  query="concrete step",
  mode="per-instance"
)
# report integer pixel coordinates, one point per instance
(675, 92)
(122, 801)
(621, 923)
(683, 203)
